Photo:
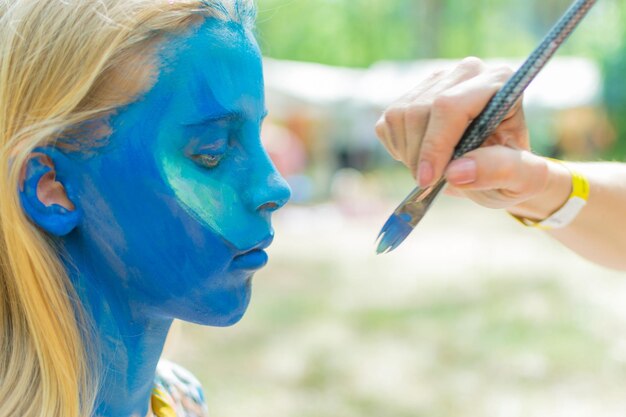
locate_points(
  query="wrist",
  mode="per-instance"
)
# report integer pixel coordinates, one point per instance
(554, 195)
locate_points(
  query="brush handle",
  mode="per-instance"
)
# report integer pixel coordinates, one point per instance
(500, 105)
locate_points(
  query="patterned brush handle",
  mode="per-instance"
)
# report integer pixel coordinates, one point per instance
(500, 105)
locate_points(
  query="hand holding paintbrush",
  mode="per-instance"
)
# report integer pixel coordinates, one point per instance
(430, 127)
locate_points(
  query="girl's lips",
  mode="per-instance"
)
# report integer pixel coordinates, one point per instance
(251, 260)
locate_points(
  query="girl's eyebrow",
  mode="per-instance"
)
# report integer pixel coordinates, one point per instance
(220, 118)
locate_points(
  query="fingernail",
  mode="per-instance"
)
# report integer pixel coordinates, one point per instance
(462, 171)
(425, 173)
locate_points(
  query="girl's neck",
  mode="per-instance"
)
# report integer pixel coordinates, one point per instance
(128, 342)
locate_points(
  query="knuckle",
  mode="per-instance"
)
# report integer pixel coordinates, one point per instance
(471, 65)
(472, 61)
(496, 85)
(501, 74)
(444, 103)
(436, 75)
(416, 112)
(381, 128)
(395, 115)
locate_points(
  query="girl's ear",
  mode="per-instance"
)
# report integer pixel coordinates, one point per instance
(44, 192)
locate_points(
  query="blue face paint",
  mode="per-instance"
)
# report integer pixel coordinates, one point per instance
(178, 203)
(175, 207)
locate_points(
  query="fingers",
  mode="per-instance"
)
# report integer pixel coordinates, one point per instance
(515, 174)
(403, 124)
(383, 131)
(451, 112)
(422, 128)
(416, 120)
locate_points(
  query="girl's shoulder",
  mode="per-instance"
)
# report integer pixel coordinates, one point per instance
(177, 393)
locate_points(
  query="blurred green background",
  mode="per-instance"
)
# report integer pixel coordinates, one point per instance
(473, 315)
(361, 32)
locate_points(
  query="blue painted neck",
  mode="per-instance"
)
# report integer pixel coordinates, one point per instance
(129, 339)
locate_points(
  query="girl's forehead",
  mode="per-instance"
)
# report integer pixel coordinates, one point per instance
(212, 40)
(217, 64)
(213, 69)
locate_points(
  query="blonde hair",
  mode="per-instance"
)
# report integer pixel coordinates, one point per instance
(63, 63)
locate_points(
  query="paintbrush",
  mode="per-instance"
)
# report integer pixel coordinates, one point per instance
(416, 204)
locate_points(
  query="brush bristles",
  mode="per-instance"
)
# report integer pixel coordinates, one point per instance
(392, 234)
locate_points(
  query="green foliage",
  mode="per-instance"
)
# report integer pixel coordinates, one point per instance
(614, 96)
(361, 32)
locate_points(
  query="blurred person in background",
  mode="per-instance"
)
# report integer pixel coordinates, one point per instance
(580, 204)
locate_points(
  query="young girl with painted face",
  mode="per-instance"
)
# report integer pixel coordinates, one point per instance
(134, 190)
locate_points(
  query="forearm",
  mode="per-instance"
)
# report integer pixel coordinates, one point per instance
(599, 231)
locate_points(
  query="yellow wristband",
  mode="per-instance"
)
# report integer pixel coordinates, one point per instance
(568, 212)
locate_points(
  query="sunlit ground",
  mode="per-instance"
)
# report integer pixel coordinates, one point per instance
(473, 316)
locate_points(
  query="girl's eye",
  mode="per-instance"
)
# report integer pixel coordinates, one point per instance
(206, 160)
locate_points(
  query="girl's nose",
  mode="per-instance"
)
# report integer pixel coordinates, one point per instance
(268, 189)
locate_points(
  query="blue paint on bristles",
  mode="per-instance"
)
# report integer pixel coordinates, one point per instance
(392, 234)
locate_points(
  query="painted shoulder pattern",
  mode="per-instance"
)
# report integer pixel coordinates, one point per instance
(177, 393)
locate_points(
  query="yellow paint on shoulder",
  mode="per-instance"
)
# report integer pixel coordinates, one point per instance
(162, 404)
